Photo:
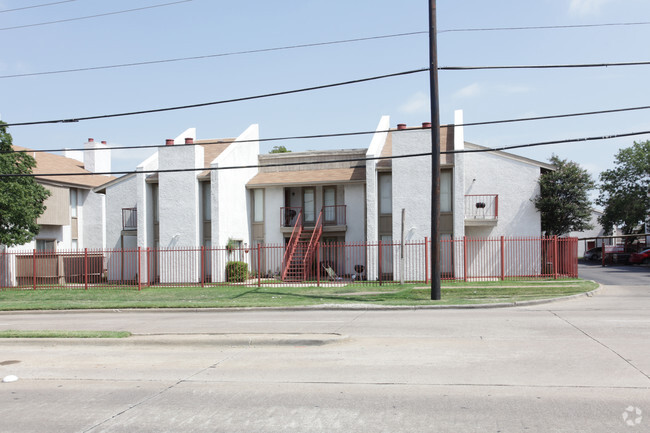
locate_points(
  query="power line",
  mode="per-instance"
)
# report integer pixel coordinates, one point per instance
(208, 56)
(94, 16)
(286, 164)
(559, 66)
(36, 6)
(568, 26)
(290, 47)
(225, 101)
(307, 89)
(354, 133)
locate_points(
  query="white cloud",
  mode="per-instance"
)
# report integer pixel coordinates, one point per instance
(469, 91)
(586, 7)
(417, 103)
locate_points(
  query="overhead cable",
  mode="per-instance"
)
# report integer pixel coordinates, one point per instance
(348, 134)
(225, 101)
(308, 89)
(36, 6)
(307, 45)
(93, 16)
(207, 56)
(303, 163)
(558, 66)
(568, 26)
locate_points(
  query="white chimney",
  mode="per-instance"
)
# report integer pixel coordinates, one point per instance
(97, 161)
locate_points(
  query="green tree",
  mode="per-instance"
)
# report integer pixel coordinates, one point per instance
(563, 200)
(279, 149)
(624, 189)
(21, 198)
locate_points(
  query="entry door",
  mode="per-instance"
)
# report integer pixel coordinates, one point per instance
(308, 202)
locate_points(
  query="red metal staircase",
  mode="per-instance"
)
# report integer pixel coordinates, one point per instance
(301, 249)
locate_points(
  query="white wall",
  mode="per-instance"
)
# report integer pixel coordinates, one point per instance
(179, 212)
(92, 220)
(118, 196)
(516, 184)
(230, 198)
(412, 184)
(372, 198)
(122, 194)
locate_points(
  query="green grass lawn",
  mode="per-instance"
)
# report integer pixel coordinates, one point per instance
(284, 296)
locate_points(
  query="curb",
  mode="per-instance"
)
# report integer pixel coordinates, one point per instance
(212, 340)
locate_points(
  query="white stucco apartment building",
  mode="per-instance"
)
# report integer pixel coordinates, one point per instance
(482, 194)
(185, 208)
(74, 215)
(73, 219)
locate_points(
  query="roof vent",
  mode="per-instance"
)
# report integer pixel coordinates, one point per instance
(426, 124)
(169, 142)
(189, 140)
(401, 126)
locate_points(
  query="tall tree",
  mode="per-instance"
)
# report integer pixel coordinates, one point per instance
(21, 198)
(563, 199)
(624, 189)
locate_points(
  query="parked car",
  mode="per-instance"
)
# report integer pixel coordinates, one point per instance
(642, 257)
(593, 254)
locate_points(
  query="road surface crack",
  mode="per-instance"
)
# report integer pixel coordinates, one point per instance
(627, 361)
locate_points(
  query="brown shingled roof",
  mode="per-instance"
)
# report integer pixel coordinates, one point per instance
(309, 177)
(211, 150)
(51, 163)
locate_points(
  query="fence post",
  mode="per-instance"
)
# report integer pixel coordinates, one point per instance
(85, 268)
(465, 258)
(148, 266)
(426, 261)
(202, 265)
(139, 269)
(34, 275)
(379, 263)
(259, 265)
(503, 257)
(555, 261)
(317, 264)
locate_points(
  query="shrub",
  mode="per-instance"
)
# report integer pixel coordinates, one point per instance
(236, 272)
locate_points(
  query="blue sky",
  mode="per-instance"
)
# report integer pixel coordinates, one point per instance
(204, 27)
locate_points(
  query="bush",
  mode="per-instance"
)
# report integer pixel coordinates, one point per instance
(236, 272)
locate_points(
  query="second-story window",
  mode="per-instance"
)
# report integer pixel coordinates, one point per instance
(73, 202)
(207, 202)
(385, 194)
(258, 205)
(445, 190)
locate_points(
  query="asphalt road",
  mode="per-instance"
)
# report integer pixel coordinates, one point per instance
(581, 365)
(630, 275)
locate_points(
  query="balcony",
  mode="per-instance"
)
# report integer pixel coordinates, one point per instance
(129, 219)
(334, 218)
(481, 209)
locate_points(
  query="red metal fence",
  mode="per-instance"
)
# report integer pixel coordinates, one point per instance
(341, 263)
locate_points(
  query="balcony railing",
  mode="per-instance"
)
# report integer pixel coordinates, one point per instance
(332, 215)
(289, 216)
(129, 218)
(482, 207)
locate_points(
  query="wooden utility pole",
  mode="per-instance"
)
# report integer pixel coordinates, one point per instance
(435, 154)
